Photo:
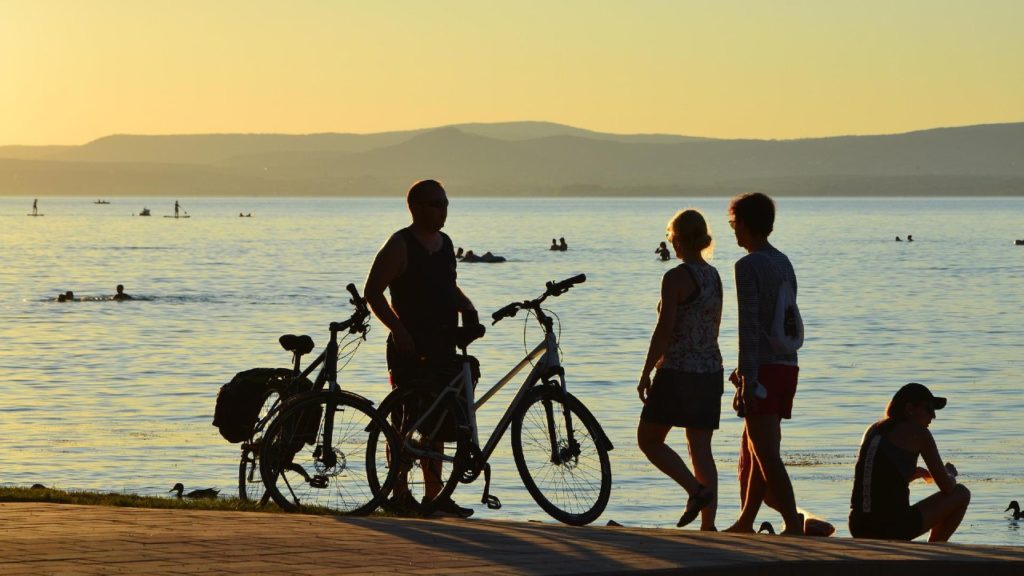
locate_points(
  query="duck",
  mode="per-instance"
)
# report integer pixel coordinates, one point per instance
(1017, 515)
(204, 493)
(766, 527)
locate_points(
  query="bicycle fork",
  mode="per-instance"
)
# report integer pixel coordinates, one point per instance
(561, 454)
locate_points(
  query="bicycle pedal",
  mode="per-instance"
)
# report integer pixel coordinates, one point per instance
(492, 502)
(318, 481)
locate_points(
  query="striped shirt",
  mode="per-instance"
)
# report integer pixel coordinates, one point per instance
(758, 277)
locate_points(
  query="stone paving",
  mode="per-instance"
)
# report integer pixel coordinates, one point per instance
(42, 539)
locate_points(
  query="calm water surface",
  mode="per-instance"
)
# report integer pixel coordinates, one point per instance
(103, 395)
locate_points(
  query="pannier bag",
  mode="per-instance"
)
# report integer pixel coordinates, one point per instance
(239, 401)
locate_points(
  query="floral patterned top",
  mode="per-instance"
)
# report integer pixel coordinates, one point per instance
(694, 343)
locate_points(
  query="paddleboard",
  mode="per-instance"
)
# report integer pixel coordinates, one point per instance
(35, 214)
(177, 217)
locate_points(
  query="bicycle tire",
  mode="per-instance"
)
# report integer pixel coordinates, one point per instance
(572, 484)
(300, 475)
(397, 408)
(250, 482)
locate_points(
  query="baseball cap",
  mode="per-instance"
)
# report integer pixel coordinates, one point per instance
(914, 392)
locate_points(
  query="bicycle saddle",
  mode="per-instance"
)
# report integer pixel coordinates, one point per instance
(297, 344)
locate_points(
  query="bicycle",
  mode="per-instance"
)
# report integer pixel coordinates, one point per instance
(314, 451)
(560, 450)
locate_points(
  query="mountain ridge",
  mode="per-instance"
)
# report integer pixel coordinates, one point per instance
(519, 158)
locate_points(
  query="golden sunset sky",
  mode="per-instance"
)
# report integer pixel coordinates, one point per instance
(76, 70)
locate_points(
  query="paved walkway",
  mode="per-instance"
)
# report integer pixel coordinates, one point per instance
(42, 539)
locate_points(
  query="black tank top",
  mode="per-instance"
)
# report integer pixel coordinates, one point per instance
(882, 482)
(424, 295)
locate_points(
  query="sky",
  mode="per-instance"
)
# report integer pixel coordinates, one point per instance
(76, 70)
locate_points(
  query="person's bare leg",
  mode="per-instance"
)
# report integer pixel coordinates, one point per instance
(765, 436)
(650, 437)
(752, 490)
(942, 513)
(704, 468)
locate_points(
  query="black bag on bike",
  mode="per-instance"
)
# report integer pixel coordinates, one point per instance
(239, 401)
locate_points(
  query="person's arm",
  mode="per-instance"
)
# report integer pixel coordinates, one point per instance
(930, 454)
(748, 304)
(470, 317)
(676, 285)
(387, 266)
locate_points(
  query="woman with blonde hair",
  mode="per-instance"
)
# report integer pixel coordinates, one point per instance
(686, 390)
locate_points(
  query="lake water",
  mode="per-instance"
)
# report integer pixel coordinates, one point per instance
(102, 395)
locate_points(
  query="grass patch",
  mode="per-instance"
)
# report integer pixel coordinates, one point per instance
(55, 496)
(125, 500)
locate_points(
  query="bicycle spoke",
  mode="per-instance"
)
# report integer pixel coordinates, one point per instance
(333, 477)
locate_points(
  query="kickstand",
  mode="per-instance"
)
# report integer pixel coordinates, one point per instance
(492, 501)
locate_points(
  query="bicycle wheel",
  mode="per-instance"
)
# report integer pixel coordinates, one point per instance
(301, 472)
(569, 476)
(250, 483)
(432, 456)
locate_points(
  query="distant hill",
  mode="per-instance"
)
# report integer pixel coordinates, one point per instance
(30, 152)
(525, 158)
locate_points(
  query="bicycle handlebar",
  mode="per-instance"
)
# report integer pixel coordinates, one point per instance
(556, 288)
(355, 323)
(552, 288)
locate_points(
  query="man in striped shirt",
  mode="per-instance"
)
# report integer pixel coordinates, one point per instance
(767, 377)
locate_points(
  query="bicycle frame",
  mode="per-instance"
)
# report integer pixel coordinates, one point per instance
(328, 375)
(548, 365)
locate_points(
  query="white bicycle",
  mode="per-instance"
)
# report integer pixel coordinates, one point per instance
(560, 449)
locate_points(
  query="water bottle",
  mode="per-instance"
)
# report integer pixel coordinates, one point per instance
(760, 392)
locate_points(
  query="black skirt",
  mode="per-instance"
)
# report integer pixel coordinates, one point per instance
(685, 399)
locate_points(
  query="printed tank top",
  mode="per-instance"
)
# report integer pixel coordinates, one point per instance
(694, 343)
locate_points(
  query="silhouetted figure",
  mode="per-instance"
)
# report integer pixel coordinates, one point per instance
(887, 463)
(562, 245)
(35, 206)
(417, 266)
(898, 239)
(686, 390)
(910, 238)
(459, 254)
(120, 293)
(62, 298)
(767, 373)
(176, 206)
(69, 296)
(554, 245)
(662, 252)
(486, 257)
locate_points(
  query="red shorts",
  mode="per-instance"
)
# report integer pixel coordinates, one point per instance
(780, 381)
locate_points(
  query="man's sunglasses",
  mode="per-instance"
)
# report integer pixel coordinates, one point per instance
(439, 204)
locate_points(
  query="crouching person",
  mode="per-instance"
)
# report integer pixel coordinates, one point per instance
(887, 464)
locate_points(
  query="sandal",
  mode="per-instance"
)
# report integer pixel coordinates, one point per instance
(694, 504)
